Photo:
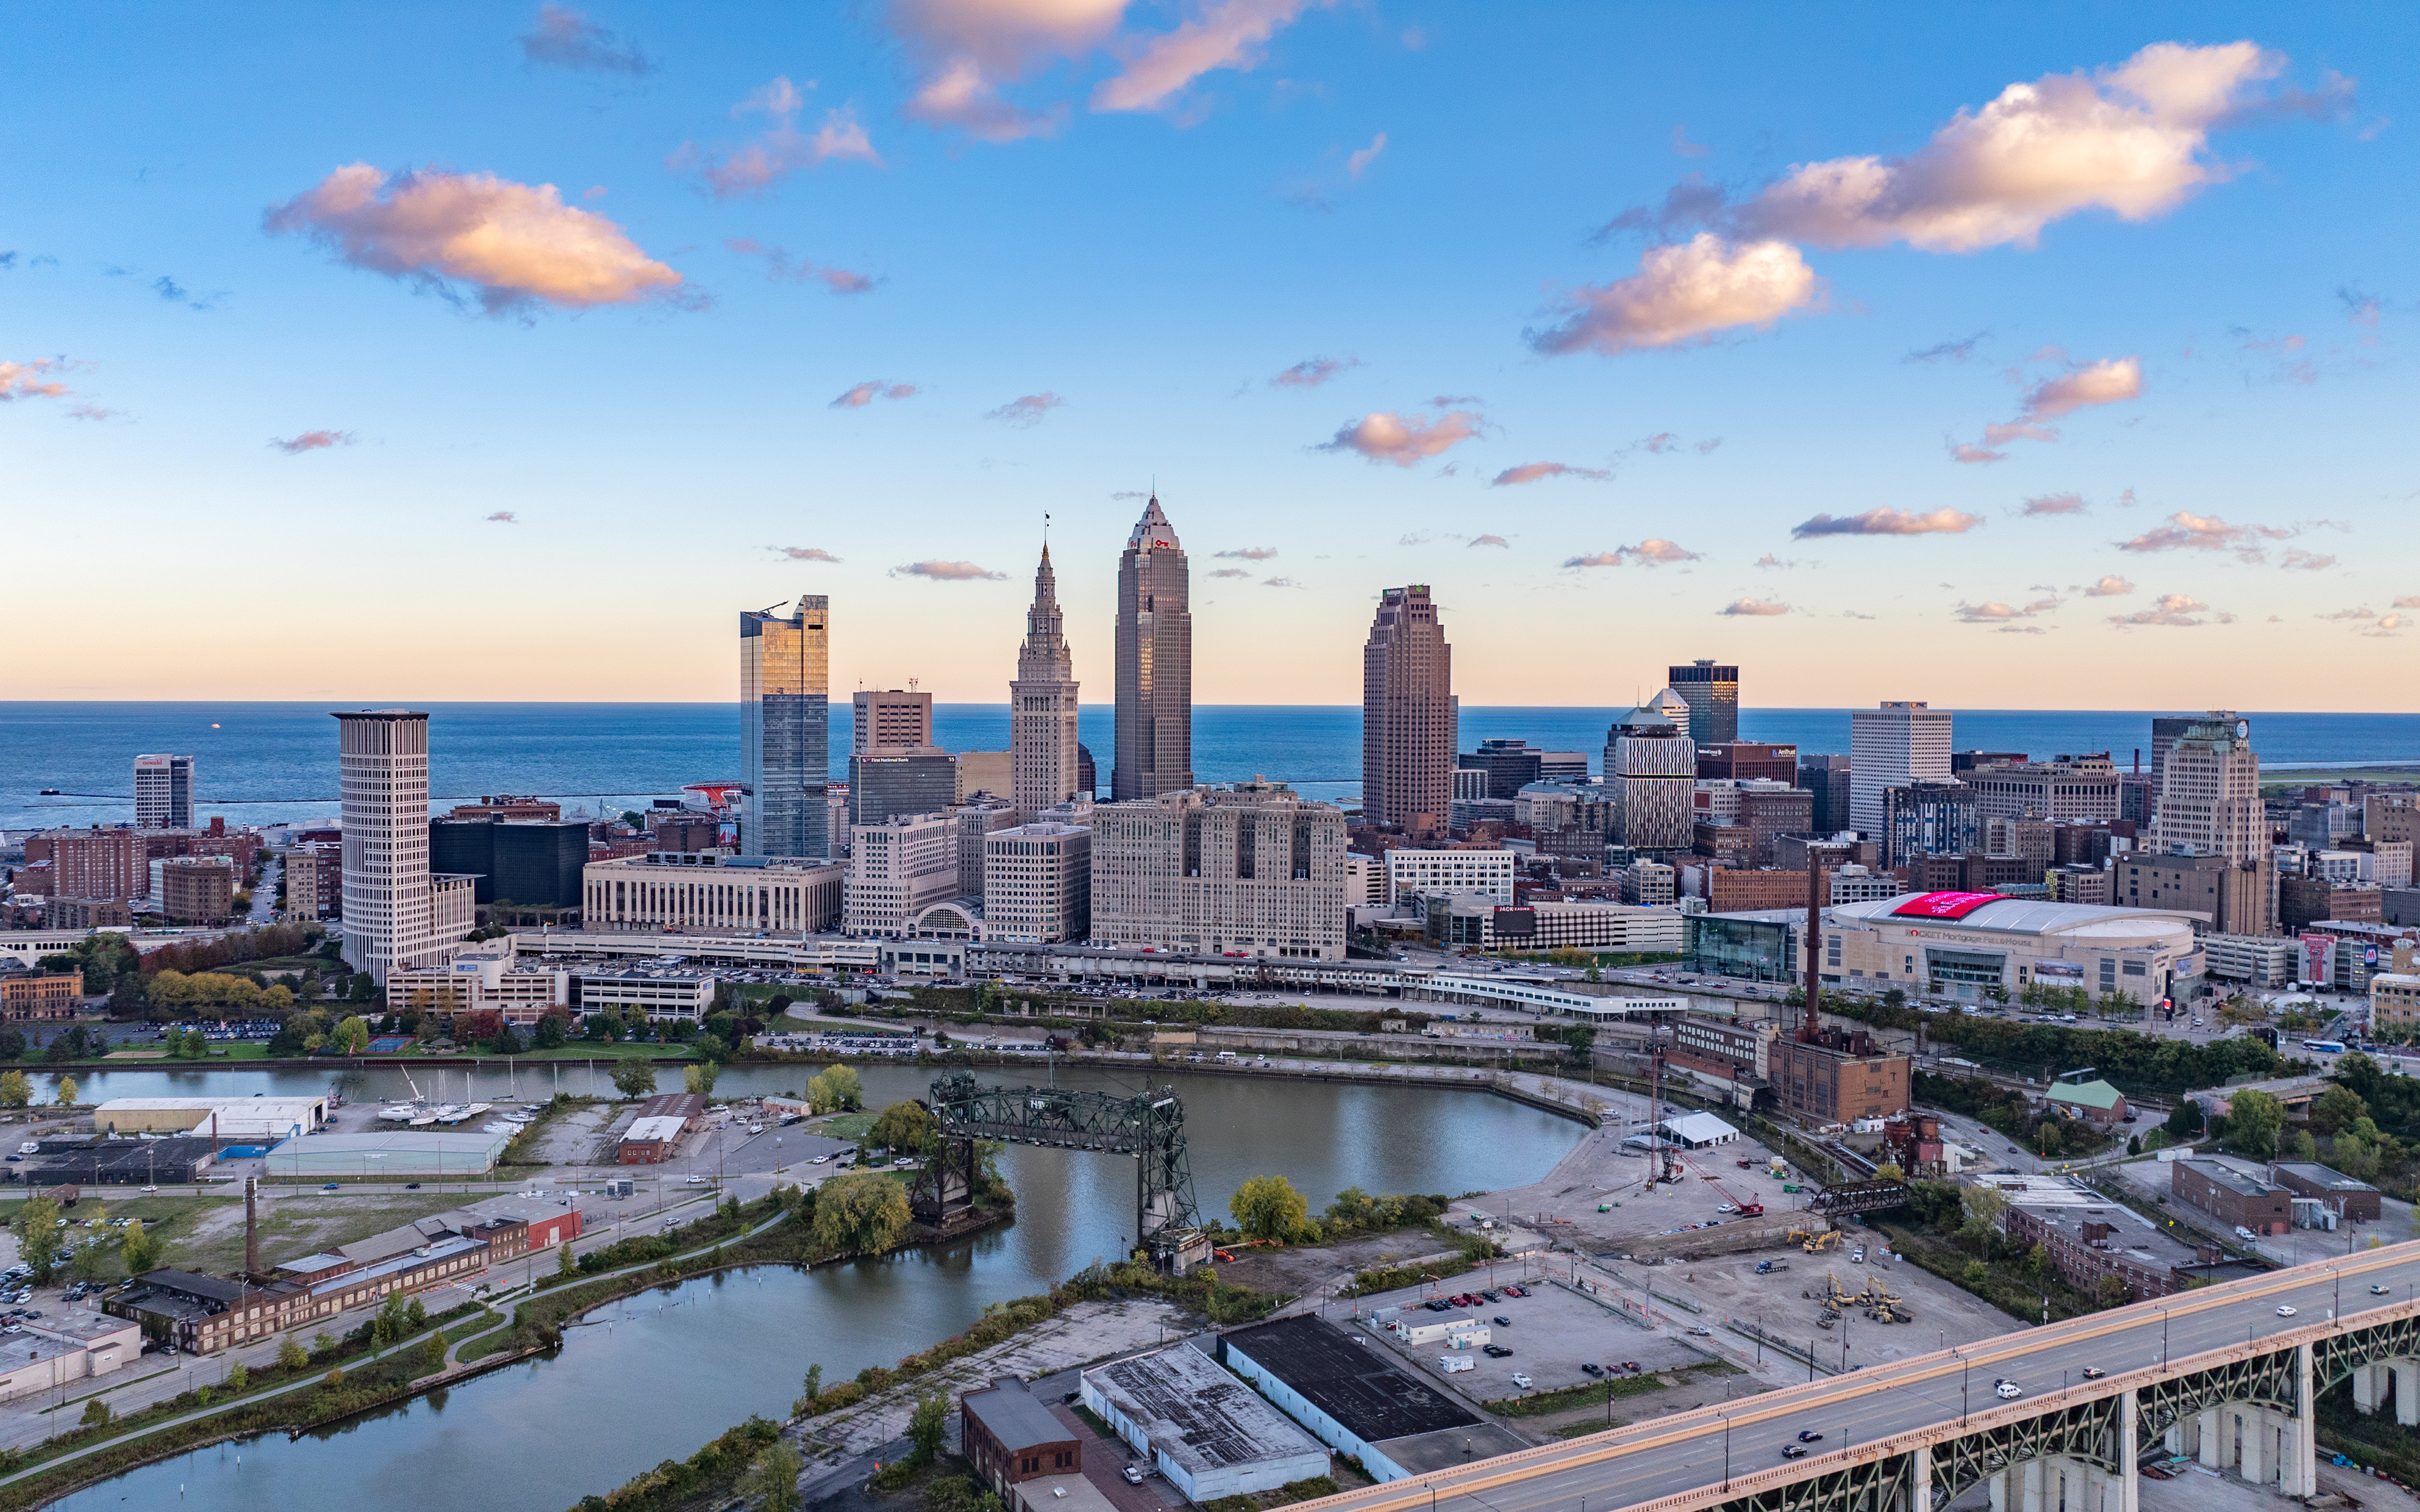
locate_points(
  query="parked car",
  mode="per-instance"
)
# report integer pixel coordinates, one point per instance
(1131, 1474)
(1591, 1368)
(1521, 1381)
(1501, 1321)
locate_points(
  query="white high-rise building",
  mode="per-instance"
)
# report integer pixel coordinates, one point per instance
(1249, 870)
(2209, 793)
(1038, 884)
(1043, 754)
(395, 914)
(896, 869)
(1891, 747)
(163, 792)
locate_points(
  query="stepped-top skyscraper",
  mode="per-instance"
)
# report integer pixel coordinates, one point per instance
(1155, 654)
(1408, 714)
(785, 728)
(1042, 751)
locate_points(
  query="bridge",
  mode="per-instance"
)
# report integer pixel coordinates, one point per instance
(2216, 1373)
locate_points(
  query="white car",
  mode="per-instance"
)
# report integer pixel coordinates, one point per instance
(819, 1160)
(2285, 1310)
(2008, 1390)
(1131, 1474)
(1521, 1381)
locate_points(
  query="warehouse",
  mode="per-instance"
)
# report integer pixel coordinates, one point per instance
(2343, 1195)
(651, 1141)
(1696, 1131)
(1358, 1401)
(118, 1163)
(256, 1120)
(1206, 1432)
(408, 1155)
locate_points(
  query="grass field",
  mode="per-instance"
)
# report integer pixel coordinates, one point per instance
(298, 1223)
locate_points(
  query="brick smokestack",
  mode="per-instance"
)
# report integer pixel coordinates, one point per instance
(1812, 1032)
(252, 1224)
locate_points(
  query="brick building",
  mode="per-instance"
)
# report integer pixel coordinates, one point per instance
(2084, 1247)
(1839, 1078)
(197, 889)
(40, 994)
(2354, 1200)
(1737, 892)
(1010, 1437)
(1746, 759)
(2231, 1196)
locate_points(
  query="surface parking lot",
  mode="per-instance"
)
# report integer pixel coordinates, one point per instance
(1553, 1331)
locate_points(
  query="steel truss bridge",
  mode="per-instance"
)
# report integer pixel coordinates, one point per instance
(1148, 1126)
(2219, 1374)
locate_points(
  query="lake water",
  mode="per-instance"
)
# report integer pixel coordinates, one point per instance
(657, 1377)
(276, 763)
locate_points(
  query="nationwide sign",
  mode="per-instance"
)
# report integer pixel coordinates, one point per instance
(1944, 904)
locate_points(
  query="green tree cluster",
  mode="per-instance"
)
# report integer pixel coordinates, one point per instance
(835, 1090)
(859, 1213)
(1268, 1207)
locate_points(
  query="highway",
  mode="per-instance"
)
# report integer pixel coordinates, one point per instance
(1697, 1451)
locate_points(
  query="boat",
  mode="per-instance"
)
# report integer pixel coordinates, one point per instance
(423, 1119)
(404, 1113)
(50, 793)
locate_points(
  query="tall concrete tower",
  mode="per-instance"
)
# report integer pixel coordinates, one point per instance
(1408, 714)
(382, 774)
(786, 730)
(1155, 653)
(1042, 751)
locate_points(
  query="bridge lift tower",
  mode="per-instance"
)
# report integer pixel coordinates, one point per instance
(1149, 1126)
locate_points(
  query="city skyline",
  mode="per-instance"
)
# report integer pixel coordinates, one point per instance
(2020, 365)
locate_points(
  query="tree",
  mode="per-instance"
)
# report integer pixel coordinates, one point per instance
(1889, 1171)
(834, 1089)
(2336, 1108)
(290, 1355)
(860, 1212)
(96, 1413)
(815, 1385)
(1268, 1207)
(634, 1077)
(2185, 1122)
(564, 1264)
(15, 1092)
(1975, 1276)
(238, 1378)
(928, 1424)
(700, 1078)
(550, 1029)
(351, 1037)
(2111, 1291)
(772, 1478)
(432, 1354)
(2254, 1120)
(41, 1236)
(901, 1128)
(1984, 1207)
(66, 1094)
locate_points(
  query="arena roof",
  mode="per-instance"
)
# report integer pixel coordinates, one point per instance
(2027, 916)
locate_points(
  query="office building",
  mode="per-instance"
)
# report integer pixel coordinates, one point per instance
(1037, 884)
(1712, 693)
(672, 891)
(508, 806)
(1408, 714)
(2394, 1005)
(195, 889)
(2390, 817)
(1510, 764)
(1963, 762)
(1651, 775)
(1563, 766)
(896, 780)
(1470, 784)
(2064, 790)
(484, 977)
(785, 728)
(2165, 729)
(978, 820)
(531, 863)
(97, 863)
(887, 718)
(1856, 884)
(1155, 663)
(163, 792)
(988, 772)
(2209, 806)
(1649, 884)
(1733, 891)
(2081, 883)
(1251, 870)
(1827, 778)
(1743, 760)
(1042, 706)
(897, 869)
(1891, 747)
(315, 880)
(1422, 874)
(396, 912)
(1930, 817)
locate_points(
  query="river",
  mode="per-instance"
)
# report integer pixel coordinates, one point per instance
(657, 1376)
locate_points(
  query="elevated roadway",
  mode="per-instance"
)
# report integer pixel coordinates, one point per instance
(2217, 1371)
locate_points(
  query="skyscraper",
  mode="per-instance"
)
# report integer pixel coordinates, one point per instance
(1713, 696)
(1891, 747)
(163, 792)
(1650, 769)
(395, 914)
(1155, 655)
(786, 730)
(1042, 751)
(1408, 724)
(883, 717)
(2209, 792)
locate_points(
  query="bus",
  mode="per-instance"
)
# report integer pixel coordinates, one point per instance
(2325, 1047)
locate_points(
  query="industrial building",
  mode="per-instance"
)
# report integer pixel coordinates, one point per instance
(1358, 1401)
(1011, 1439)
(2349, 1198)
(2237, 1198)
(1206, 1432)
(1839, 1076)
(649, 1141)
(243, 1119)
(2094, 1101)
(107, 1161)
(47, 1353)
(384, 1156)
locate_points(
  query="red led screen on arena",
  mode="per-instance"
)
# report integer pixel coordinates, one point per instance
(1944, 904)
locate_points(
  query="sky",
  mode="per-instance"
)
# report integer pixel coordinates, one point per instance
(2049, 357)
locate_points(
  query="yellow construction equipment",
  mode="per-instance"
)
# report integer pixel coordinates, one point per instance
(1814, 1243)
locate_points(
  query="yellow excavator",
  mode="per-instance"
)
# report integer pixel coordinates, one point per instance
(1814, 1243)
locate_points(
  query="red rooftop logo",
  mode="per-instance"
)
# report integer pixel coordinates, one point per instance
(1944, 904)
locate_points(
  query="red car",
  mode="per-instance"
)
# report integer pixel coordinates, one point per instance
(1515, 1291)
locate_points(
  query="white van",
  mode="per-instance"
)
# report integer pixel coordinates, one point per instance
(1226, 1055)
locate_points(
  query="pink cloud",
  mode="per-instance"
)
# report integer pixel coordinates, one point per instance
(1754, 607)
(779, 266)
(1311, 371)
(2111, 380)
(1366, 156)
(1684, 294)
(1533, 471)
(1942, 521)
(2187, 532)
(964, 50)
(784, 149)
(949, 572)
(1027, 410)
(313, 440)
(866, 392)
(2178, 611)
(2111, 586)
(2054, 503)
(564, 38)
(28, 380)
(512, 244)
(1384, 436)
(1228, 34)
(804, 553)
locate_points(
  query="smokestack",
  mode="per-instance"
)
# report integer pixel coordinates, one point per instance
(252, 1224)
(1812, 1031)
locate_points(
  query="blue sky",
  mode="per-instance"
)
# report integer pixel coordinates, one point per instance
(606, 271)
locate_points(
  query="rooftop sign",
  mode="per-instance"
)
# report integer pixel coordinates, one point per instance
(1944, 904)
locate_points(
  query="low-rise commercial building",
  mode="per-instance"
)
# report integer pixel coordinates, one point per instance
(486, 977)
(659, 992)
(1207, 1432)
(2094, 1101)
(1010, 1438)
(1358, 1401)
(2346, 1196)
(1428, 873)
(650, 1141)
(248, 1120)
(2234, 1197)
(2088, 1245)
(2395, 1003)
(35, 995)
(49, 1354)
(1568, 925)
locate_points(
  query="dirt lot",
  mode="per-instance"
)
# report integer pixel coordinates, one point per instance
(1730, 1287)
(1301, 1271)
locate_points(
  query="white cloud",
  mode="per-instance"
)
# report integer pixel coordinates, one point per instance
(2111, 586)
(511, 243)
(1364, 157)
(1249, 553)
(1533, 471)
(1754, 607)
(804, 553)
(1027, 410)
(1942, 521)
(2180, 611)
(784, 149)
(950, 572)
(1684, 294)
(1228, 34)
(2187, 532)
(1401, 441)
(2129, 140)
(1995, 612)
(1230, 572)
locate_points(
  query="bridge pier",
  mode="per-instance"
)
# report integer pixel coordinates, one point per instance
(2130, 1494)
(2406, 1391)
(1919, 1479)
(2301, 1468)
(2367, 1388)
(2207, 1444)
